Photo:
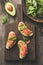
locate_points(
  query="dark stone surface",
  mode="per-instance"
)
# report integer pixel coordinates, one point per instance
(39, 43)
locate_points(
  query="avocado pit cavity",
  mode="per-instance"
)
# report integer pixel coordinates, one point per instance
(10, 8)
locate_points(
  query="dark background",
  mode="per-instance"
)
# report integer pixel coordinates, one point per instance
(39, 37)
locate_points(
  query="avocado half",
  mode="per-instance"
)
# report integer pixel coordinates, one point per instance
(13, 12)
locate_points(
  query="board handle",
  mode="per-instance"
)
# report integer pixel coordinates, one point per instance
(19, 13)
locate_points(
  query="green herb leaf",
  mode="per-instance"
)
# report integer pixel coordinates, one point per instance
(34, 7)
(4, 19)
(40, 10)
(25, 38)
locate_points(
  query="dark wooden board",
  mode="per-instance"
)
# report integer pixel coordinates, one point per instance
(13, 54)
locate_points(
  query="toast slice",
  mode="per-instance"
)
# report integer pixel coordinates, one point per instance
(23, 49)
(24, 30)
(11, 40)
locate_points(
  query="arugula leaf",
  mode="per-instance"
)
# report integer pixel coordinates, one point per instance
(25, 38)
(40, 10)
(31, 6)
(34, 7)
(40, 1)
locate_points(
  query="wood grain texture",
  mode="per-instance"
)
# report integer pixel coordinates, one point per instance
(39, 42)
(13, 54)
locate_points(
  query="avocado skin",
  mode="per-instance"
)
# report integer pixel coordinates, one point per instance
(12, 13)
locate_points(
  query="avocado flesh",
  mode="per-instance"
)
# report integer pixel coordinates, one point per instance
(12, 13)
(20, 49)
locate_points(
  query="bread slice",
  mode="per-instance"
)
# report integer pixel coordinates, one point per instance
(21, 27)
(23, 49)
(11, 40)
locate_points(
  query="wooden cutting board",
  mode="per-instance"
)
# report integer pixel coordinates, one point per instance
(13, 54)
